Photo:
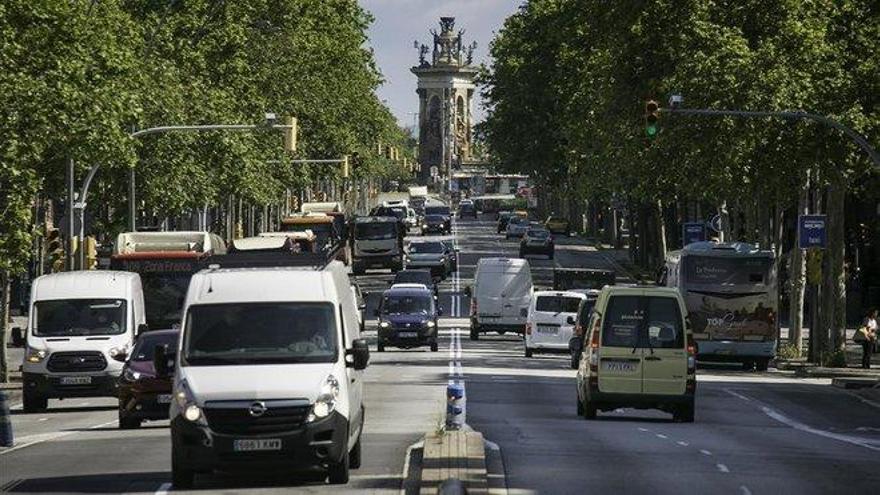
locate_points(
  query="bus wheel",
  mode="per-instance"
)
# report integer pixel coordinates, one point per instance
(762, 364)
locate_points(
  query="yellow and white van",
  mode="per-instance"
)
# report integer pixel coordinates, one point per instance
(638, 352)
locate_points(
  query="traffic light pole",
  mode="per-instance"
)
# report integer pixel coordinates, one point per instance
(855, 136)
(71, 220)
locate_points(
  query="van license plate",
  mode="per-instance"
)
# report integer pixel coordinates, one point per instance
(407, 334)
(548, 330)
(163, 398)
(76, 380)
(256, 445)
(622, 366)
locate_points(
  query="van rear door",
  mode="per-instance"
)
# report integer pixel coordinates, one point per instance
(665, 355)
(620, 358)
(516, 293)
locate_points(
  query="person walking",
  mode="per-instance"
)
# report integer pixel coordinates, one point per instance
(866, 335)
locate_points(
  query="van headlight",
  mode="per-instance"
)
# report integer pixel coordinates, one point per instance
(384, 324)
(36, 355)
(326, 401)
(186, 401)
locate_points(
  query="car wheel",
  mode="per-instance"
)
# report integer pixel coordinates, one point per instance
(589, 410)
(181, 478)
(337, 472)
(32, 403)
(354, 457)
(528, 352)
(434, 346)
(475, 334)
(126, 423)
(762, 364)
(574, 362)
(380, 346)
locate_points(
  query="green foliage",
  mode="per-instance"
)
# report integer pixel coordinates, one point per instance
(76, 77)
(567, 87)
(834, 359)
(788, 352)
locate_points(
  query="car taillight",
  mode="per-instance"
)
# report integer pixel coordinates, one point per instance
(692, 354)
(528, 328)
(594, 349)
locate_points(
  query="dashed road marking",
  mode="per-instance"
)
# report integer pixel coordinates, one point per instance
(644, 430)
(705, 452)
(745, 490)
(722, 468)
(660, 435)
(683, 444)
(163, 489)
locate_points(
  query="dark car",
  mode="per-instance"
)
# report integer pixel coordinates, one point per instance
(537, 241)
(451, 255)
(436, 223)
(576, 344)
(503, 218)
(407, 318)
(142, 394)
(467, 210)
(423, 277)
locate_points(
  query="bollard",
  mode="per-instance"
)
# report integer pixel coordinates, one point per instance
(5, 421)
(455, 406)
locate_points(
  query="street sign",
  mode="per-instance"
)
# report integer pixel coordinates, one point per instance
(693, 232)
(812, 231)
(718, 223)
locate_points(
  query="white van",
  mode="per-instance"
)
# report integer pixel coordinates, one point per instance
(500, 296)
(80, 324)
(269, 373)
(551, 321)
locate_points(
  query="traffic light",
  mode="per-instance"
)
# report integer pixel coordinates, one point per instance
(652, 118)
(345, 167)
(290, 134)
(91, 247)
(55, 249)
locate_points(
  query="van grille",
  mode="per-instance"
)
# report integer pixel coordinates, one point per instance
(63, 362)
(239, 421)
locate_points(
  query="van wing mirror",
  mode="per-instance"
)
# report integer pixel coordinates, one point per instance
(359, 355)
(143, 327)
(468, 291)
(524, 312)
(570, 320)
(160, 361)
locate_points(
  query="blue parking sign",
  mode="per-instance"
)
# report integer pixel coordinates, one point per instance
(693, 232)
(812, 232)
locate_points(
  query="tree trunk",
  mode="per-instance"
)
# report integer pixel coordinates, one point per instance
(661, 235)
(836, 263)
(5, 287)
(798, 275)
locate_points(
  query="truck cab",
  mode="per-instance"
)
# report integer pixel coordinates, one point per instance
(79, 323)
(377, 242)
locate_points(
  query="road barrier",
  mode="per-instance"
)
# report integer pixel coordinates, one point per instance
(6, 439)
(455, 406)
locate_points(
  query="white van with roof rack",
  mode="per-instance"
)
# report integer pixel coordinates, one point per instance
(82, 324)
(269, 370)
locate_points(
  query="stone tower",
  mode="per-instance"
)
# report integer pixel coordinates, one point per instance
(446, 91)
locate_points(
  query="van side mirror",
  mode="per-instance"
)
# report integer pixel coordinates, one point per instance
(570, 320)
(524, 312)
(160, 361)
(468, 291)
(143, 327)
(359, 355)
(120, 356)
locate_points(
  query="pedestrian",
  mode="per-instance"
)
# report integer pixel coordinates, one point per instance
(866, 335)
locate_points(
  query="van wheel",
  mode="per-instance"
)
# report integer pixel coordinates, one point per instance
(684, 414)
(181, 478)
(434, 346)
(580, 406)
(380, 346)
(475, 334)
(354, 457)
(574, 362)
(589, 410)
(126, 423)
(762, 364)
(337, 472)
(32, 403)
(528, 352)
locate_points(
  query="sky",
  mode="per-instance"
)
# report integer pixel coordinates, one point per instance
(398, 23)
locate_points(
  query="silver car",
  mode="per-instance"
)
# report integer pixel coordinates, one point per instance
(432, 255)
(516, 227)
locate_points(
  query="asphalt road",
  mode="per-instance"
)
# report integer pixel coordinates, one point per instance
(754, 432)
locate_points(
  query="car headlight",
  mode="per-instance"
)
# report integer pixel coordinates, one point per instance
(429, 324)
(187, 402)
(384, 324)
(131, 376)
(326, 401)
(36, 355)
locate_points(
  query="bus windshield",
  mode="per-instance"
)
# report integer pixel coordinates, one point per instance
(375, 231)
(708, 270)
(164, 294)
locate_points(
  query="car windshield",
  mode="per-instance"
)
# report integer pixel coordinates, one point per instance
(437, 210)
(407, 304)
(79, 317)
(413, 277)
(643, 321)
(146, 344)
(426, 248)
(375, 231)
(259, 333)
(585, 309)
(515, 220)
(164, 294)
(538, 234)
(434, 218)
(557, 304)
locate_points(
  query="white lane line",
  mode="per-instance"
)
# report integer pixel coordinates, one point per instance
(745, 490)
(722, 468)
(163, 489)
(53, 436)
(797, 425)
(683, 444)
(644, 430)
(659, 435)
(705, 452)
(43, 419)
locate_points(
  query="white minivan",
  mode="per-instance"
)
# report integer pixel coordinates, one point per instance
(500, 296)
(551, 321)
(269, 373)
(80, 324)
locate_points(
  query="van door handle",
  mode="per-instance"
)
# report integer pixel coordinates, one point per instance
(652, 358)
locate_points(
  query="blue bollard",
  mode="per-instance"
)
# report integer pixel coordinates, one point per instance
(5, 422)
(455, 406)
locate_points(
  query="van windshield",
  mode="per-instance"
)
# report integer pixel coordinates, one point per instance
(557, 304)
(643, 321)
(259, 333)
(79, 317)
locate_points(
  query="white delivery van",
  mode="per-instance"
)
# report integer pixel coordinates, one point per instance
(269, 373)
(500, 296)
(551, 321)
(79, 323)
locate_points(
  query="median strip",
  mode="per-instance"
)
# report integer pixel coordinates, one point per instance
(454, 455)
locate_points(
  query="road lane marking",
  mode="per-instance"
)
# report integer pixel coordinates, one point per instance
(48, 437)
(163, 489)
(43, 419)
(722, 468)
(659, 435)
(797, 425)
(745, 490)
(705, 452)
(683, 444)
(644, 429)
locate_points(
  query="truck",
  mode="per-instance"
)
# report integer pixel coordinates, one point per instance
(392, 199)
(165, 261)
(418, 196)
(377, 242)
(325, 229)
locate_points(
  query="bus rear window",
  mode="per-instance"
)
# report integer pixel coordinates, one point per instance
(727, 271)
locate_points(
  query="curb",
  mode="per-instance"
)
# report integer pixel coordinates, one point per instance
(454, 462)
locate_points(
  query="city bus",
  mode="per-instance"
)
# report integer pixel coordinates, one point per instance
(730, 290)
(165, 261)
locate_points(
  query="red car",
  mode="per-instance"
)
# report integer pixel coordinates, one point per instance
(143, 395)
